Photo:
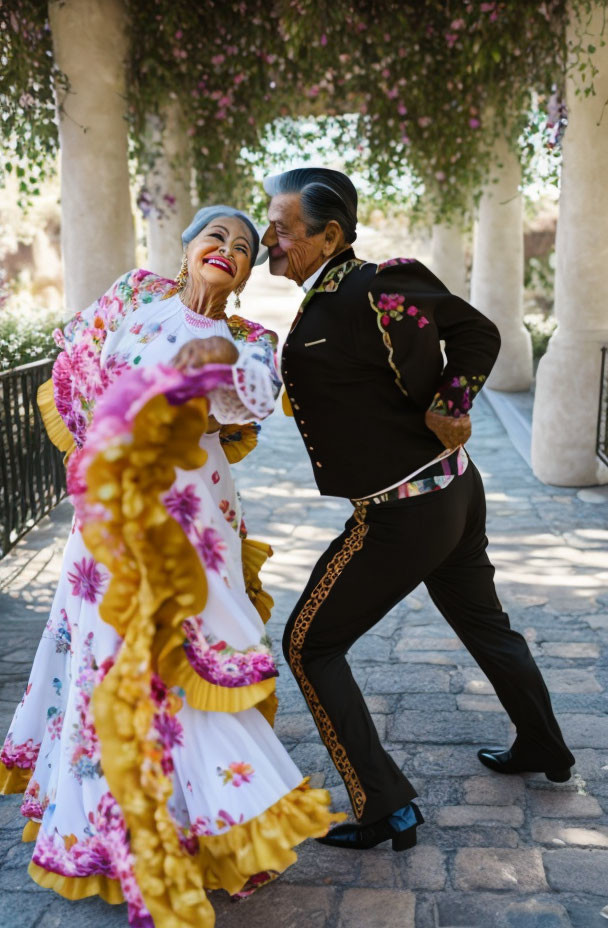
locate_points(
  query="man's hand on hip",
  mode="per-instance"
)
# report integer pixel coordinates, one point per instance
(451, 432)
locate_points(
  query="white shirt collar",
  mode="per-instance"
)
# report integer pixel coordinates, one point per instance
(310, 280)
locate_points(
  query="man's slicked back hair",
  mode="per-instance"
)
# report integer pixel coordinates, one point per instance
(325, 195)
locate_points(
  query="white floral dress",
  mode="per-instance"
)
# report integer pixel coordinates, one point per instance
(235, 800)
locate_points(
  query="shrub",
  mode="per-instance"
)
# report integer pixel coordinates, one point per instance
(541, 327)
(25, 338)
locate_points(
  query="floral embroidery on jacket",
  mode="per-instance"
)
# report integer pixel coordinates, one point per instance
(219, 663)
(332, 280)
(392, 262)
(392, 307)
(455, 396)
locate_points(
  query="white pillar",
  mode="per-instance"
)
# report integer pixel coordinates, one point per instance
(448, 259)
(91, 44)
(497, 278)
(568, 379)
(169, 184)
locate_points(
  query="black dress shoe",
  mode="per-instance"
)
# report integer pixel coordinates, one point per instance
(400, 827)
(503, 760)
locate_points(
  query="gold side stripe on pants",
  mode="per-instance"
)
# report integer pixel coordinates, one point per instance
(353, 543)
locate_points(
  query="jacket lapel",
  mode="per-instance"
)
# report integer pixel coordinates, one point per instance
(346, 259)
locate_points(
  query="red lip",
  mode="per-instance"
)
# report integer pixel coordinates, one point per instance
(223, 263)
(276, 252)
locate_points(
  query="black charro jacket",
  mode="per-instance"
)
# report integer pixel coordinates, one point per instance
(363, 362)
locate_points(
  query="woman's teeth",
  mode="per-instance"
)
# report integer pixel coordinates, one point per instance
(221, 263)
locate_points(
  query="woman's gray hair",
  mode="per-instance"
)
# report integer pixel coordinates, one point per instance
(325, 195)
(208, 214)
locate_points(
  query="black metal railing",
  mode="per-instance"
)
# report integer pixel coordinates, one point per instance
(32, 473)
(602, 416)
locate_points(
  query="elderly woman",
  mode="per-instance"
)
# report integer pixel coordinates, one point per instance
(143, 741)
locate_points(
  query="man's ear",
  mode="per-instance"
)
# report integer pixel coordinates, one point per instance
(334, 238)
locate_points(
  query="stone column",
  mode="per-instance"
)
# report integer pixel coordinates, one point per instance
(568, 379)
(90, 44)
(169, 186)
(497, 278)
(448, 260)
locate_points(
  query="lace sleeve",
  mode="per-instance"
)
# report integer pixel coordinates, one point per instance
(256, 386)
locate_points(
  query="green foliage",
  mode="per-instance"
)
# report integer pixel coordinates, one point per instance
(221, 61)
(427, 85)
(27, 105)
(24, 339)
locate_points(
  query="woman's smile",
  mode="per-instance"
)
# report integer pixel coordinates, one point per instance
(223, 263)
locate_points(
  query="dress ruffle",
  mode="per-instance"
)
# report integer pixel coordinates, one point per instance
(254, 555)
(229, 860)
(238, 440)
(78, 887)
(56, 428)
(13, 779)
(157, 581)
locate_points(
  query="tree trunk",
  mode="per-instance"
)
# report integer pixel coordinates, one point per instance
(169, 185)
(90, 44)
(498, 269)
(568, 379)
(448, 258)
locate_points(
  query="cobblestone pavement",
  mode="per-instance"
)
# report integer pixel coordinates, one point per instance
(496, 852)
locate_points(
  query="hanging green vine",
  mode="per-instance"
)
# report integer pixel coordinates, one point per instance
(426, 86)
(29, 140)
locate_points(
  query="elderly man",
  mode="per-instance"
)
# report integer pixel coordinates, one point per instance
(384, 421)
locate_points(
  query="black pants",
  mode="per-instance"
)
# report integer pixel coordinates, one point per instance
(438, 538)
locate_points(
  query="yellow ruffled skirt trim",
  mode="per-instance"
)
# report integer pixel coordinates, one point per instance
(235, 451)
(266, 842)
(77, 887)
(157, 582)
(175, 670)
(226, 861)
(13, 779)
(55, 427)
(30, 831)
(254, 555)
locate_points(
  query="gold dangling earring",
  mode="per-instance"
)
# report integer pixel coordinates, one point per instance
(237, 294)
(182, 278)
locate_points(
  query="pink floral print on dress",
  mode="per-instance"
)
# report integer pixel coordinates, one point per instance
(210, 547)
(236, 773)
(87, 580)
(183, 505)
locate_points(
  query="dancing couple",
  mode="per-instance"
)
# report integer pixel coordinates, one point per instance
(144, 741)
